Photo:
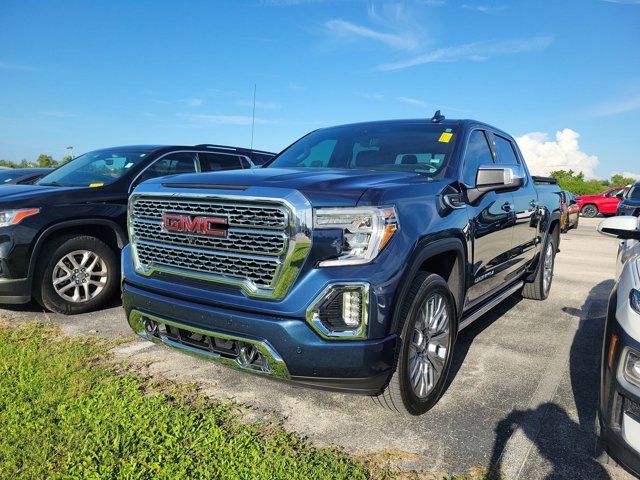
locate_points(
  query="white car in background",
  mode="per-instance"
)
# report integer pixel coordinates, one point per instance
(619, 405)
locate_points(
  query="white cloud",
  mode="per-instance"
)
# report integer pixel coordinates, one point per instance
(477, 51)
(203, 119)
(544, 155)
(617, 107)
(59, 114)
(260, 105)
(413, 101)
(343, 29)
(193, 102)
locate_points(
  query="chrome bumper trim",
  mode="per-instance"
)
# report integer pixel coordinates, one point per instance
(275, 366)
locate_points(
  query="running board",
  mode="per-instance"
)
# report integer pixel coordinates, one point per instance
(476, 314)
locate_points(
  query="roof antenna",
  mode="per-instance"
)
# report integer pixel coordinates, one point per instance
(437, 117)
(253, 116)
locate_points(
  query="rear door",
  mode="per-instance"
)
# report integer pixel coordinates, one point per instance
(491, 220)
(525, 203)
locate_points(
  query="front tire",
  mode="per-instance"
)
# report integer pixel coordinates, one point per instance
(590, 211)
(76, 274)
(540, 287)
(429, 326)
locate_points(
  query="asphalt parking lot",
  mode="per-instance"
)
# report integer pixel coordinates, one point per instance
(522, 393)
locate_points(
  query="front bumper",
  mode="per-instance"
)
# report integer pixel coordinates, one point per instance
(619, 406)
(289, 348)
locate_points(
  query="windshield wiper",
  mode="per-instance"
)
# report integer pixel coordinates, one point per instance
(51, 184)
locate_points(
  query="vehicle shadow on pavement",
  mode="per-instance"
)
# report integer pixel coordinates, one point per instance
(570, 447)
(35, 307)
(466, 337)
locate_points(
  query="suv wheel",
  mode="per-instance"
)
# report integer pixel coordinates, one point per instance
(76, 274)
(540, 287)
(590, 211)
(428, 333)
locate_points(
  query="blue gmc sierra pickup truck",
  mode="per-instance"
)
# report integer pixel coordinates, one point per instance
(350, 261)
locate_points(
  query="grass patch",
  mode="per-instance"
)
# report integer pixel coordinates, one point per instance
(63, 414)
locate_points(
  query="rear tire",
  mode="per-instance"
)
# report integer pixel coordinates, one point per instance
(590, 211)
(76, 274)
(540, 287)
(428, 329)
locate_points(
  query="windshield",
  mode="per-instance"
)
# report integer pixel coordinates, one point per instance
(419, 148)
(94, 169)
(634, 193)
(8, 175)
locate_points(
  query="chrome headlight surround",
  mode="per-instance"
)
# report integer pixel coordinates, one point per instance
(366, 231)
(330, 294)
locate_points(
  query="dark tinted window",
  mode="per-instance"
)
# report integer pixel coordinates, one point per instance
(213, 162)
(477, 154)
(260, 158)
(634, 192)
(504, 151)
(172, 164)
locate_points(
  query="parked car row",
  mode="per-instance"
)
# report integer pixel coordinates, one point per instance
(61, 237)
(605, 203)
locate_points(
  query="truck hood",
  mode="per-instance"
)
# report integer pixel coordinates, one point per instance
(323, 187)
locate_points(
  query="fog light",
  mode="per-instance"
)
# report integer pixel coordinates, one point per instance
(351, 308)
(632, 368)
(340, 311)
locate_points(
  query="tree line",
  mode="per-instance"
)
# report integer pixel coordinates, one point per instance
(43, 161)
(578, 185)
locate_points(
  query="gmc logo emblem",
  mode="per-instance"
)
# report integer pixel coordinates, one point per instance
(212, 226)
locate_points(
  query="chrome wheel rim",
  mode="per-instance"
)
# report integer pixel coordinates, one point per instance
(548, 267)
(429, 347)
(79, 276)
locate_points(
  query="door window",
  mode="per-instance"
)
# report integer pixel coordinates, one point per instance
(171, 164)
(477, 154)
(504, 151)
(215, 162)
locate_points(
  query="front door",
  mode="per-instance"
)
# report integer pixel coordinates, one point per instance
(525, 205)
(491, 220)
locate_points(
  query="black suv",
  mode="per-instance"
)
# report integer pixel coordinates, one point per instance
(60, 238)
(630, 204)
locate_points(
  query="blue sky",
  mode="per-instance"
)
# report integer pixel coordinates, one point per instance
(96, 74)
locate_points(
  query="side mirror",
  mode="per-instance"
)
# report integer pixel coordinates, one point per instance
(492, 178)
(624, 227)
(573, 201)
(620, 195)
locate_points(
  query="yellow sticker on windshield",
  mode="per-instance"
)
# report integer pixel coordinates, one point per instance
(98, 184)
(445, 137)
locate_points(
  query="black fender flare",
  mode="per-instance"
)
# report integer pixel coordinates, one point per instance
(425, 250)
(121, 237)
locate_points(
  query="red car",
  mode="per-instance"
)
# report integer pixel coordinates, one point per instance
(605, 202)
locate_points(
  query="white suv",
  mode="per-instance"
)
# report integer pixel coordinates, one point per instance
(619, 406)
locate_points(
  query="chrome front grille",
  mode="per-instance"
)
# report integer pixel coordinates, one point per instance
(261, 248)
(268, 217)
(237, 240)
(260, 271)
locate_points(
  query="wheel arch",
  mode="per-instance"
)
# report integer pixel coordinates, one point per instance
(445, 257)
(107, 230)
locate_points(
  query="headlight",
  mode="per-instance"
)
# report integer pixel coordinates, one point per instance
(13, 217)
(632, 368)
(366, 231)
(635, 300)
